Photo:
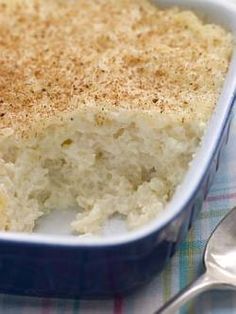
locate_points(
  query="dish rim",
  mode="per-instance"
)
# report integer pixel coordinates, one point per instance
(185, 192)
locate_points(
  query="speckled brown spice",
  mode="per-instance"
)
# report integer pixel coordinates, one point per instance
(60, 56)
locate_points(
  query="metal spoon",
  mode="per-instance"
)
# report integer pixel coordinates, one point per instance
(220, 264)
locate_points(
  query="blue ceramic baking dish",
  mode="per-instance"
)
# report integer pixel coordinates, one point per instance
(67, 266)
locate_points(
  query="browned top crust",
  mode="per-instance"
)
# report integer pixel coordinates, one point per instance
(59, 56)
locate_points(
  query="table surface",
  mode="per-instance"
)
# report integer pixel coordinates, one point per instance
(185, 266)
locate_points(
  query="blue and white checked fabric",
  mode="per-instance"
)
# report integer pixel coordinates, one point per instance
(183, 268)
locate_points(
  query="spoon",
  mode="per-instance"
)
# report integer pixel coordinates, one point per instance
(220, 265)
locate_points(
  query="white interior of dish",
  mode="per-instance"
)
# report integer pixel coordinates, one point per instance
(54, 228)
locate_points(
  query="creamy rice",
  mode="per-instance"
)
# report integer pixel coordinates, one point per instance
(103, 104)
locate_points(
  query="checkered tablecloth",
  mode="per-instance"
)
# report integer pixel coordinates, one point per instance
(183, 268)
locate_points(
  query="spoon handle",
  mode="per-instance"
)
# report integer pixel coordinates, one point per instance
(200, 285)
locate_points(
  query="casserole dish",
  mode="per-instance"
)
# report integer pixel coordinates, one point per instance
(66, 266)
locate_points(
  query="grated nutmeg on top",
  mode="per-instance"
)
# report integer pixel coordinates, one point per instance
(61, 56)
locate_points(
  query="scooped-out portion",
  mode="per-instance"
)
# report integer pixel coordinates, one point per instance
(102, 106)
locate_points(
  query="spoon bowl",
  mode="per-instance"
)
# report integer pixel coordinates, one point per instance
(220, 253)
(220, 265)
